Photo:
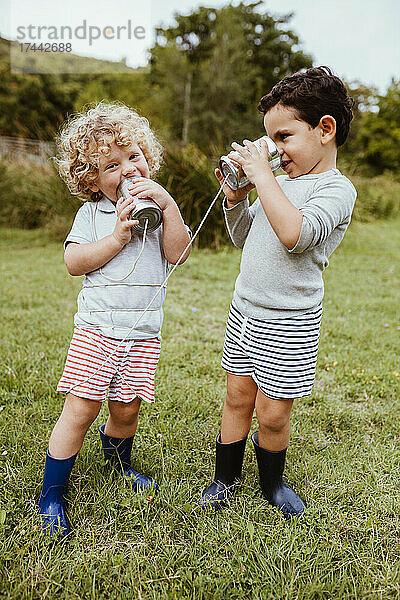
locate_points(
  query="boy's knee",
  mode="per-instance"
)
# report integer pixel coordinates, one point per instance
(240, 394)
(124, 413)
(272, 424)
(272, 420)
(82, 411)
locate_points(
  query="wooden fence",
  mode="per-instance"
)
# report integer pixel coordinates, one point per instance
(20, 148)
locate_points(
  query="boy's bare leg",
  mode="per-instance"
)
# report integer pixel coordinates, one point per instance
(238, 408)
(69, 432)
(236, 421)
(274, 422)
(123, 418)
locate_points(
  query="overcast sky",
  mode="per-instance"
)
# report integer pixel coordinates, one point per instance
(359, 39)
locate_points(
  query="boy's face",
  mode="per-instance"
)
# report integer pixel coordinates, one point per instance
(123, 161)
(300, 146)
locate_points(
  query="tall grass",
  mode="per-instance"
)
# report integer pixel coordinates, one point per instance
(33, 195)
(378, 197)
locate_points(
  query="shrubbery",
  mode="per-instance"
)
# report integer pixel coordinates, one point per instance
(33, 196)
(378, 197)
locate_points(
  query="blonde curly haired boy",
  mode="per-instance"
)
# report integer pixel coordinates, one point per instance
(108, 357)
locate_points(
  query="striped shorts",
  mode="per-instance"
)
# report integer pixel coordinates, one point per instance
(280, 355)
(97, 364)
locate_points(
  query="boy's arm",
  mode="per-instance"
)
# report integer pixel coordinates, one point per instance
(285, 219)
(238, 219)
(329, 206)
(81, 256)
(238, 215)
(84, 258)
(175, 234)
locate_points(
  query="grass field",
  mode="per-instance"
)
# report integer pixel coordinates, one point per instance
(344, 456)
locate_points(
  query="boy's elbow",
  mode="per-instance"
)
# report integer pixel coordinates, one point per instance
(290, 244)
(291, 237)
(183, 259)
(70, 259)
(70, 263)
(177, 255)
(179, 260)
(75, 273)
(72, 270)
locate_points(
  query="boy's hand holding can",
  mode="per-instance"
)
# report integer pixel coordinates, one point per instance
(143, 187)
(122, 231)
(252, 159)
(233, 196)
(246, 164)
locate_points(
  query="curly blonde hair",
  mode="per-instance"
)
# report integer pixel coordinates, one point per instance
(87, 136)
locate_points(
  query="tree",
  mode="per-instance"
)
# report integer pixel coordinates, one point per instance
(35, 105)
(169, 71)
(365, 101)
(379, 135)
(229, 58)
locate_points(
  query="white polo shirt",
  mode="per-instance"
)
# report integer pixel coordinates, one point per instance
(110, 306)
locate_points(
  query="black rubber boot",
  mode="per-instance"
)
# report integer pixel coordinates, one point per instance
(117, 451)
(273, 486)
(228, 468)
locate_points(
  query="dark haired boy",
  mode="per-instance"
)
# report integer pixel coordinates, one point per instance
(287, 236)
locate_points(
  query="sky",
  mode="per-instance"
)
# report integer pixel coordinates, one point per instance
(358, 39)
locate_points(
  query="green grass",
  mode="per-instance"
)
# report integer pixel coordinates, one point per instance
(344, 454)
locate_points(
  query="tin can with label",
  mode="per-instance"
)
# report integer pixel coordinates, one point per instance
(236, 177)
(146, 209)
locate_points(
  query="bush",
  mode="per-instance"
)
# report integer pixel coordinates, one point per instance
(33, 195)
(188, 174)
(377, 197)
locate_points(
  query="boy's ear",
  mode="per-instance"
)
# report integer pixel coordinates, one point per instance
(93, 188)
(327, 125)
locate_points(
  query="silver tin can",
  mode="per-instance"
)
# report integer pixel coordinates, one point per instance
(146, 209)
(236, 177)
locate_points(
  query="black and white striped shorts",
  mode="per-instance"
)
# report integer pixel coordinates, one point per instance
(280, 355)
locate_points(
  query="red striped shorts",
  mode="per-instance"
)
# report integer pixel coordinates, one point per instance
(96, 363)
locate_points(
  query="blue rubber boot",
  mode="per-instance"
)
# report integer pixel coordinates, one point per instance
(273, 486)
(117, 451)
(51, 502)
(228, 469)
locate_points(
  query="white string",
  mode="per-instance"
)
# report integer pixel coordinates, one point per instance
(139, 255)
(152, 300)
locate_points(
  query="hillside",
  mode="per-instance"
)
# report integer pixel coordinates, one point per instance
(36, 97)
(56, 62)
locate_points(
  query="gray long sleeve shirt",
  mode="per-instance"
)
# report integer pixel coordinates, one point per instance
(275, 282)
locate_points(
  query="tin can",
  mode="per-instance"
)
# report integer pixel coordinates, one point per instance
(146, 209)
(236, 177)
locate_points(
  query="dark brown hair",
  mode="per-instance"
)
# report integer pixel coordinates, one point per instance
(313, 93)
